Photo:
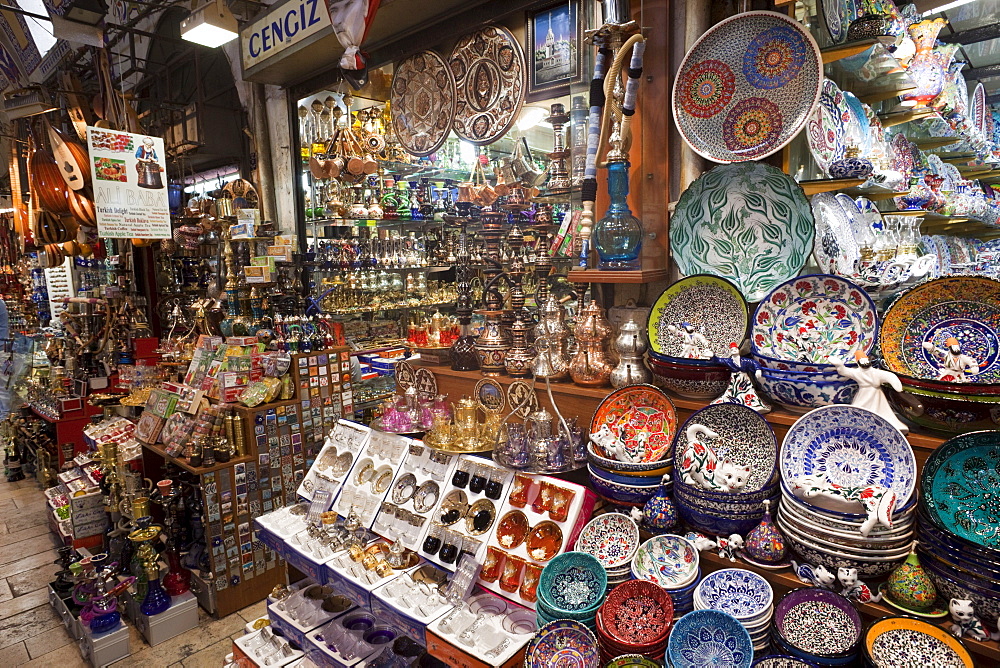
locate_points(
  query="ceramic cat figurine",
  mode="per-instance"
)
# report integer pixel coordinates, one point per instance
(878, 502)
(854, 589)
(700, 541)
(966, 621)
(817, 576)
(728, 547)
(607, 441)
(700, 465)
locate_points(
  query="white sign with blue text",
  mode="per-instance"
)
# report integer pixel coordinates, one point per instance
(283, 26)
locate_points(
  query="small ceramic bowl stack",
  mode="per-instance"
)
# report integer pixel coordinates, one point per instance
(890, 642)
(800, 329)
(817, 625)
(706, 638)
(745, 595)
(853, 448)
(613, 538)
(672, 563)
(635, 619)
(728, 432)
(572, 586)
(685, 362)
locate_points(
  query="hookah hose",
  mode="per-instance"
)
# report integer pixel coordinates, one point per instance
(614, 108)
(589, 186)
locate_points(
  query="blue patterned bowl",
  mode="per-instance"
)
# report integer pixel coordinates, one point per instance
(706, 638)
(800, 396)
(623, 492)
(657, 468)
(736, 506)
(741, 593)
(573, 582)
(563, 641)
(980, 580)
(699, 494)
(834, 559)
(796, 374)
(717, 524)
(792, 366)
(948, 585)
(624, 478)
(681, 361)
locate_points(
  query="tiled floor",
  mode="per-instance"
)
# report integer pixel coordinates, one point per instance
(30, 631)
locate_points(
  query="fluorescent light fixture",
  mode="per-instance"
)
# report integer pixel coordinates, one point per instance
(948, 5)
(211, 25)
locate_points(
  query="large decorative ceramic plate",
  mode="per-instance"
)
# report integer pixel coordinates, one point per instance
(747, 222)
(815, 319)
(747, 86)
(851, 447)
(713, 305)
(488, 69)
(564, 643)
(977, 107)
(834, 245)
(641, 420)
(835, 18)
(612, 537)
(826, 128)
(668, 561)
(709, 638)
(422, 100)
(901, 641)
(964, 307)
(959, 486)
(745, 438)
(741, 593)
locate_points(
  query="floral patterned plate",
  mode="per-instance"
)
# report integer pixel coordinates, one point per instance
(958, 487)
(747, 86)
(963, 307)
(741, 593)
(815, 319)
(826, 128)
(668, 560)
(565, 643)
(748, 222)
(713, 305)
(640, 419)
(612, 537)
(834, 246)
(707, 638)
(851, 447)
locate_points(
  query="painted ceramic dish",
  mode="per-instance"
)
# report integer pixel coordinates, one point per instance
(744, 438)
(565, 643)
(834, 245)
(632, 661)
(612, 537)
(851, 447)
(781, 661)
(958, 487)
(977, 105)
(668, 561)
(636, 614)
(488, 69)
(637, 421)
(574, 582)
(422, 99)
(748, 222)
(966, 308)
(826, 128)
(747, 86)
(817, 621)
(741, 593)
(707, 638)
(899, 641)
(815, 319)
(712, 305)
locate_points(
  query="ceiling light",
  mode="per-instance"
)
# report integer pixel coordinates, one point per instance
(211, 25)
(948, 5)
(90, 12)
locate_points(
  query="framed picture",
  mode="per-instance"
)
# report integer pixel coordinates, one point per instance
(554, 38)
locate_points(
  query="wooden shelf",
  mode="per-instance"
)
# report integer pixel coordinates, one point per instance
(899, 117)
(837, 52)
(875, 193)
(815, 186)
(926, 144)
(632, 277)
(197, 470)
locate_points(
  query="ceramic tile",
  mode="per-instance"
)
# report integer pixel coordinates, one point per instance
(14, 655)
(23, 534)
(22, 565)
(26, 548)
(28, 624)
(67, 656)
(22, 604)
(32, 580)
(45, 643)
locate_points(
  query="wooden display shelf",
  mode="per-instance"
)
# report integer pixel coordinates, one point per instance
(930, 143)
(894, 118)
(875, 193)
(197, 470)
(837, 52)
(814, 186)
(631, 277)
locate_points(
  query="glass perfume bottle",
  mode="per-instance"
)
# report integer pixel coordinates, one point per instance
(618, 235)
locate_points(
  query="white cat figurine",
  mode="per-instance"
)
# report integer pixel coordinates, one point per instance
(854, 589)
(966, 621)
(817, 576)
(608, 442)
(729, 547)
(878, 502)
(700, 465)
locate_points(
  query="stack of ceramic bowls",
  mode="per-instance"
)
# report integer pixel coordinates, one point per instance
(563, 641)
(671, 562)
(737, 434)
(800, 328)
(925, 314)
(817, 625)
(853, 448)
(706, 638)
(572, 586)
(626, 484)
(613, 538)
(781, 661)
(743, 594)
(635, 619)
(890, 642)
(683, 361)
(959, 544)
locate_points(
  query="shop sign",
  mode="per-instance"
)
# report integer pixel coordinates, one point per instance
(130, 184)
(284, 26)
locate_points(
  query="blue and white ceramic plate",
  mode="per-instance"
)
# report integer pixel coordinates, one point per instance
(668, 560)
(826, 128)
(741, 593)
(709, 639)
(564, 643)
(851, 447)
(834, 245)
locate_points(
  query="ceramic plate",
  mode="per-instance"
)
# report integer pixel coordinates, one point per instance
(713, 305)
(835, 18)
(851, 447)
(488, 69)
(977, 106)
(834, 246)
(826, 128)
(669, 561)
(748, 222)
(901, 159)
(958, 487)
(637, 420)
(422, 100)
(964, 307)
(564, 642)
(815, 319)
(613, 538)
(745, 438)
(632, 661)
(897, 641)
(706, 638)
(741, 593)
(747, 86)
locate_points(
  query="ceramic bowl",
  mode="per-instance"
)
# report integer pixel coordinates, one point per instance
(708, 633)
(987, 604)
(623, 492)
(889, 641)
(781, 645)
(800, 396)
(788, 611)
(681, 361)
(848, 550)
(781, 661)
(611, 537)
(793, 366)
(944, 412)
(617, 621)
(901, 517)
(743, 594)
(934, 385)
(926, 527)
(697, 493)
(901, 526)
(667, 560)
(980, 579)
(624, 478)
(837, 538)
(809, 553)
(736, 506)
(716, 523)
(562, 640)
(691, 383)
(573, 582)
(658, 468)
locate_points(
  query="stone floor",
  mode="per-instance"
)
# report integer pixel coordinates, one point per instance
(31, 633)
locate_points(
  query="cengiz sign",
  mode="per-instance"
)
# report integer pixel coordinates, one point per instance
(285, 30)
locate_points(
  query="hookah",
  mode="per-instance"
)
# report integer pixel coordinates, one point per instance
(588, 188)
(178, 579)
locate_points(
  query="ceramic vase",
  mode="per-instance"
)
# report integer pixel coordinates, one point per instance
(908, 586)
(765, 543)
(930, 63)
(659, 514)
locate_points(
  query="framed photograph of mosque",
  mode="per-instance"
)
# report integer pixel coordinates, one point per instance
(554, 36)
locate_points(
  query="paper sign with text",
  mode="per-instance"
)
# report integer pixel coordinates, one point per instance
(130, 184)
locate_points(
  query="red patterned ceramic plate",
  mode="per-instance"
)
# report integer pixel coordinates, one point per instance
(636, 423)
(636, 613)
